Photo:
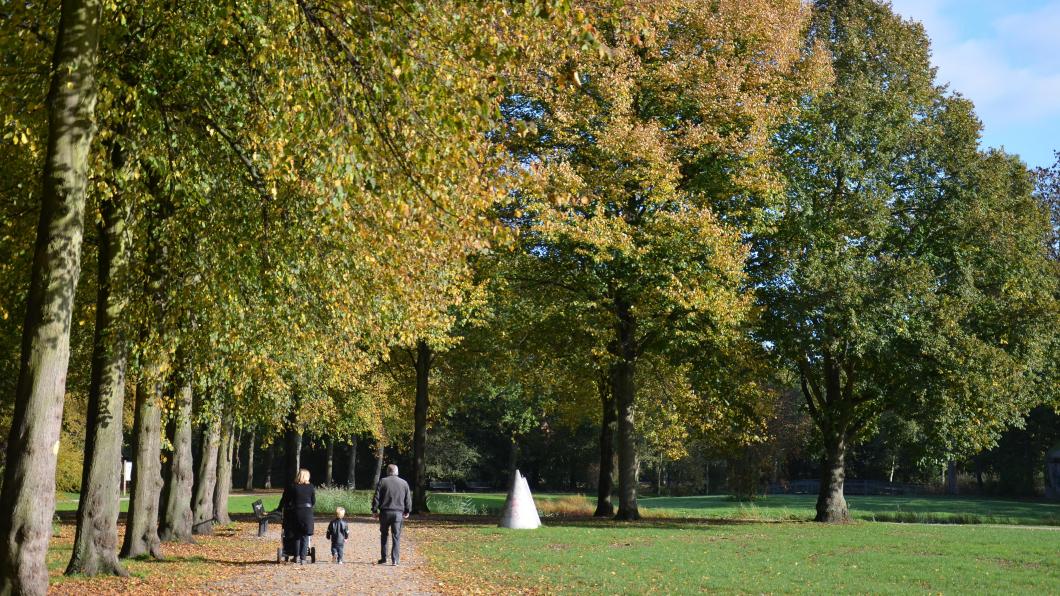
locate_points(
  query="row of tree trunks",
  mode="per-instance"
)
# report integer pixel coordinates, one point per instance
(177, 519)
(206, 480)
(27, 500)
(95, 550)
(141, 528)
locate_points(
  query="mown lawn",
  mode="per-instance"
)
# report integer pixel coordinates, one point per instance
(237, 503)
(663, 557)
(962, 510)
(791, 507)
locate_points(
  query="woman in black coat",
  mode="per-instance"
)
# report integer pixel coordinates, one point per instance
(297, 503)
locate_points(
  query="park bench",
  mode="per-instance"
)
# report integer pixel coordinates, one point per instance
(262, 516)
(443, 485)
(478, 486)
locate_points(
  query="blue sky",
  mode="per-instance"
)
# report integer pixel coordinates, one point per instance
(1005, 56)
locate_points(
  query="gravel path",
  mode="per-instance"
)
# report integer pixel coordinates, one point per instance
(358, 575)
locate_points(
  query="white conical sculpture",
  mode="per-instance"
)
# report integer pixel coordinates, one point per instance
(520, 513)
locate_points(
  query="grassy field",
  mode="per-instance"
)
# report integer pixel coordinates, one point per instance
(666, 557)
(960, 510)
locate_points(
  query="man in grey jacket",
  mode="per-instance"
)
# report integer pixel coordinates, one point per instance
(392, 503)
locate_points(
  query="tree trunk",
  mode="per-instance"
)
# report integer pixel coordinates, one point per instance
(28, 496)
(206, 480)
(270, 456)
(351, 473)
(658, 478)
(379, 450)
(177, 518)
(292, 456)
(624, 392)
(250, 463)
(831, 504)
(894, 466)
(95, 550)
(606, 484)
(513, 462)
(329, 474)
(292, 452)
(223, 486)
(419, 440)
(951, 477)
(141, 528)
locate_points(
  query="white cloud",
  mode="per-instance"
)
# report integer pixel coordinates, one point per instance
(1009, 66)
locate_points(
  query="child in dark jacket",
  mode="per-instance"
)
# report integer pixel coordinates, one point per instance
(338, 532)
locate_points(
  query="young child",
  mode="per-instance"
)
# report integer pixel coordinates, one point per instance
(338, 532)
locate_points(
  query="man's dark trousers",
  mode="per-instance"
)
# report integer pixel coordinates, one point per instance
(390, 523)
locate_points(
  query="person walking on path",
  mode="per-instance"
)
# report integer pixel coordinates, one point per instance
(297, 504)
(392, 503)
(338, 532)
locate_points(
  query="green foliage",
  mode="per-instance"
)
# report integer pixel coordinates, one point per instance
(449, 457)
(887, 281)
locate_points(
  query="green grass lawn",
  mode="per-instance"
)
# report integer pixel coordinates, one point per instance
(965, 510)
(891, 508)
(794, 507)
(237, 503)
(668, 557)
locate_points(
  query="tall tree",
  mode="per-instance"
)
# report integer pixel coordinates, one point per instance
(96, 541)
(223, 486)
(883, 285)
(206, 479)
(635, 153)
(177, 519)
(28, 493)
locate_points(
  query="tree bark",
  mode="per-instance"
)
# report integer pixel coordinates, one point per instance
(250, 463)
(831, 504)
(608, 417)
(513, 462)
(292, 454)
(27, 499)
(270, 456)
(351, 473)
(624, 392)
(206, 480)
(223, 486)
(95, 550)
(95, 542)
(141, 528)
(419, 441)
(379, 451)
(329, 474)
(177, 519)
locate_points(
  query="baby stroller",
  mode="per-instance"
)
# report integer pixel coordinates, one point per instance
(288, 550)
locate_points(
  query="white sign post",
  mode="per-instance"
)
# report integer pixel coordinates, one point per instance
(126, 474)
(520, 513)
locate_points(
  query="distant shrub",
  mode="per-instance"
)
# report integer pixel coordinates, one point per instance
(356, 502)
(68, 468)
(566, 506)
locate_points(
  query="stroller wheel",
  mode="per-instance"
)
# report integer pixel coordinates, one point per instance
(313, 554)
